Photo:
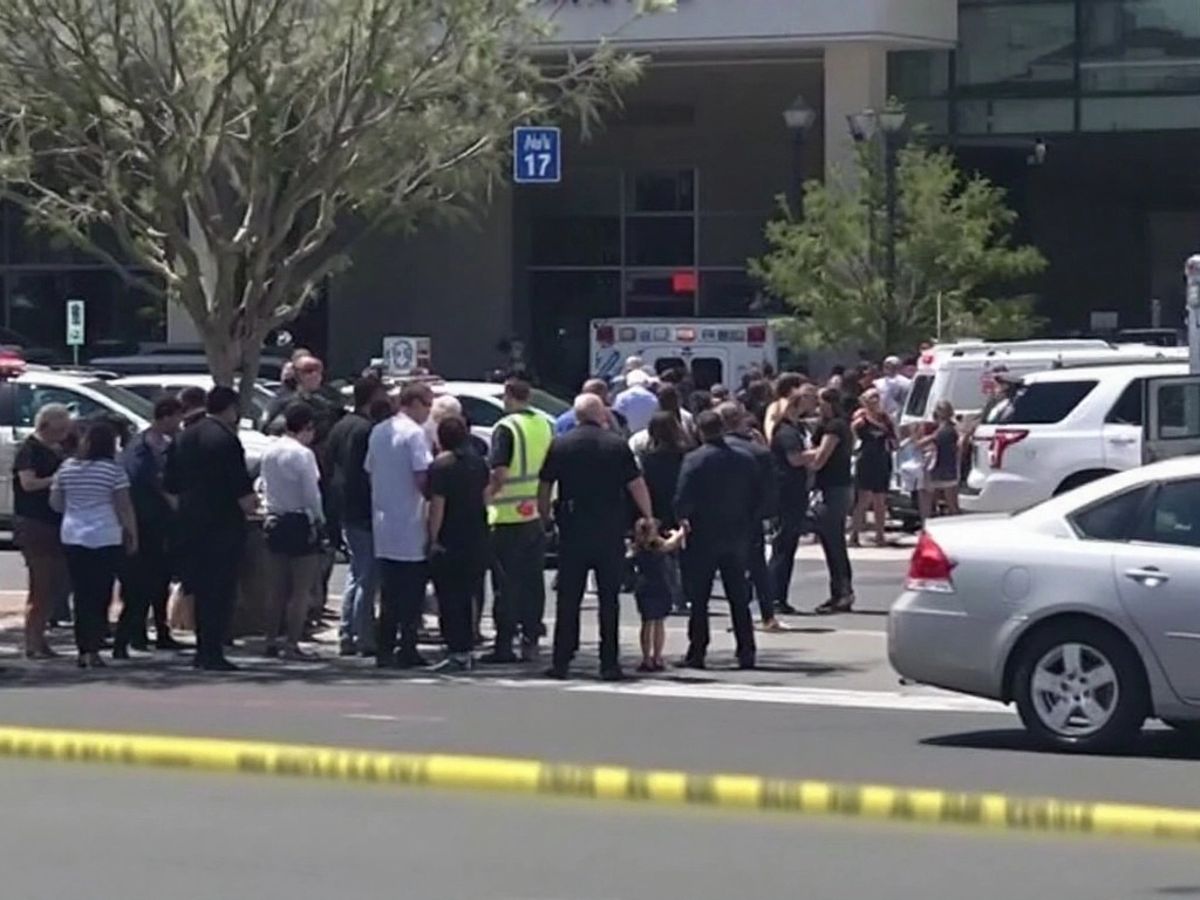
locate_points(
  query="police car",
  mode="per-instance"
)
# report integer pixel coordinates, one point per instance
(88, 394)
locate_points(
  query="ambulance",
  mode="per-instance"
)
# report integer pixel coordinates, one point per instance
(713, 351)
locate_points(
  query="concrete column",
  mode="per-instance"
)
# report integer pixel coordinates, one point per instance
(855, 79)
(180, 329)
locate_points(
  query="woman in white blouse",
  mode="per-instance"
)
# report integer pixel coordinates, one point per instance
(292, 496)
(92, 493)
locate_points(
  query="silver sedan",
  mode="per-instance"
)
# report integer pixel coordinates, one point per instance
(1084, 610)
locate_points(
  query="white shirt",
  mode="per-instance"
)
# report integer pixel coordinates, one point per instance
(893, 391)
(638, 405)
(397, 452)
(84, 490)
(290, 479)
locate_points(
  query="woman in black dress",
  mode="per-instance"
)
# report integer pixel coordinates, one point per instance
(876, 435)
(660, 465)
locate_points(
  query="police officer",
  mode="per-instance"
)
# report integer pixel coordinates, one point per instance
(520, 443)
(739, 433)
(718, 503)
(595, 472)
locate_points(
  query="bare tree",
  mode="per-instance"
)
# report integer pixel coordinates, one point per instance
(234, 150)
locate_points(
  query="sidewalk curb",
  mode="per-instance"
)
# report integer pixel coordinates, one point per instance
(879, 803)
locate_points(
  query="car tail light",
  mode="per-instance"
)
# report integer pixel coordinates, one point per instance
(1002, 439)
(930, 568)
(604, 335)
(756, 335)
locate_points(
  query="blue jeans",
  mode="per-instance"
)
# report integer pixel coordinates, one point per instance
(362, 584)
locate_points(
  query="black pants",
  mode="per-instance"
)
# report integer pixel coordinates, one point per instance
(830, 526)
(607, 559)
(701, 563)
(145, 585)
(456, 581)
(93, 572)
(401, 600)
(211, 560)
(520, 591)
(759, 577)
(783, 556)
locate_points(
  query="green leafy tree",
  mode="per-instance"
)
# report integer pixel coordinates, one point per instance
(953, 253)
(235, 150)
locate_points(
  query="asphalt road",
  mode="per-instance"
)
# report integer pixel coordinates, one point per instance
(824, 705)
(144, 835)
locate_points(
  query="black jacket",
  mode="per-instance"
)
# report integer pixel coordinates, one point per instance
(720, 495)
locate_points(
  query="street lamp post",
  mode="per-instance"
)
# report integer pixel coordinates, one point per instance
(799, 118)
(889, 124)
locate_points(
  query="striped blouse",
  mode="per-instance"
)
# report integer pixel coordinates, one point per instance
(84, 488)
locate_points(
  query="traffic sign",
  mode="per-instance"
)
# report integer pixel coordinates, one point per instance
(403, 355)
(75, 323)
(537, 155)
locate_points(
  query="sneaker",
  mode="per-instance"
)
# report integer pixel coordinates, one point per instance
(691, 662)
(612, 673)
(169, 643)
(558, 673)
(787, 609)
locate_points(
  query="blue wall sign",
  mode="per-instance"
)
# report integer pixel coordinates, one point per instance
(537, 155)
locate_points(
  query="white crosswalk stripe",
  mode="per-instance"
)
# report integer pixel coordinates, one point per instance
(917, 700)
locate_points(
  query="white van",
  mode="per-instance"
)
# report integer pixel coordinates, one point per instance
(962, 373)
(714, 351)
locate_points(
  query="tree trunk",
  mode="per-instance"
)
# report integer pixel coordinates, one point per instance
(251, 356)
(222, 357)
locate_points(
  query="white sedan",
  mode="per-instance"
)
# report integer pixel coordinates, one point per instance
(1084, 610)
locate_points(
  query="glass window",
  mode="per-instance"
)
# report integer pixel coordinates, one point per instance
(706, 372)
(1129, 408)
(576, 241)
(1015, 116)
(731, 239)
(1047, 402)
(662, 191)
(1140, 46)
(918, 395)
(660, 241)
(1111, 519)
(32, 397)
(727, 294)
(1175, 518)
(657, 294)
(919, 73)
(548, 403)
(584, 191)
(562, 304)
(1139, 113)
(1178, 411)
(479, 412)
(1021, 48)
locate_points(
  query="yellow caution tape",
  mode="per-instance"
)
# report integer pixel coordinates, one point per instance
(742, 792)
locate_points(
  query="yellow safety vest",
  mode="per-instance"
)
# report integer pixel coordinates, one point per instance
(517, 500)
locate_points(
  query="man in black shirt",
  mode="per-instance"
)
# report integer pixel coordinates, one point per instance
(788, 442)
(350, 499)
(595, 472)
(206, 470)
(833, 444)
(718, 503)
(738, 424)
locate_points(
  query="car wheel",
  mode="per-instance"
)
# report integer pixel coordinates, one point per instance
(1079, 687)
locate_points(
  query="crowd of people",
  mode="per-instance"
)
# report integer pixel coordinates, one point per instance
(648, 482)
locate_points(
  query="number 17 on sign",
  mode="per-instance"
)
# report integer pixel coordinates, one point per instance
(537, 155)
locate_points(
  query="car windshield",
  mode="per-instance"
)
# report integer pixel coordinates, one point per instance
(548, 403)
(119, 396)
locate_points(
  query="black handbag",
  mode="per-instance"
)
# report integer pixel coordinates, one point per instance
(291, 534)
